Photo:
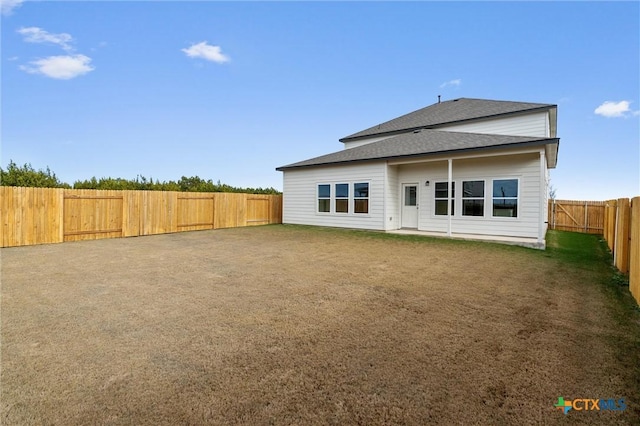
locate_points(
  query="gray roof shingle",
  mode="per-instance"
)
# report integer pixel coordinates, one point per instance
(419, 143)
(448, 112)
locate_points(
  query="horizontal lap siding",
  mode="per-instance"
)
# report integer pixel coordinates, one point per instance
(355, 144)
(522, 125)
(525, 167)
(393, 200)
(300, 189)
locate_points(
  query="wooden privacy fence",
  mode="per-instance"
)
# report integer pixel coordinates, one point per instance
(51, 215)
(622, 233)
(577, 216)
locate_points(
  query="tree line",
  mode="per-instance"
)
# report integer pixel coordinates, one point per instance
(26, 175)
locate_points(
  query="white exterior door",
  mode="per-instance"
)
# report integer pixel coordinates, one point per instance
(409, 205)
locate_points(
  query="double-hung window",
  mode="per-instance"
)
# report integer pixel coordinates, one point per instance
(342, 198)
(324, 198)
(442, 196)
(473, 198)
(505, 198)
(361, 198)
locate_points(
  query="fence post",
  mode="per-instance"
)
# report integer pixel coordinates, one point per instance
(621, 254)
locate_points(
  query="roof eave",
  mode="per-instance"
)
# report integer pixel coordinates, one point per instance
(538, 142)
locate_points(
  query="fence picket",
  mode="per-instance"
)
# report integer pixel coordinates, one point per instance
(51, 215)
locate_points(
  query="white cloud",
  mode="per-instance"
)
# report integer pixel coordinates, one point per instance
(60, 67)
(457, 82)
(206, 51)
(611, 109)
(38, 35)
(7, 6)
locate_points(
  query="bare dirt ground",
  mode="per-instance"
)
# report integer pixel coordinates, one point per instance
(295, 325)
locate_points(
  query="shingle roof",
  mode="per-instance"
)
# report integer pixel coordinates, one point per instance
(448, 112)
(420, 143)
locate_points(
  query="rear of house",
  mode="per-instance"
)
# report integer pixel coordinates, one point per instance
(468, 168)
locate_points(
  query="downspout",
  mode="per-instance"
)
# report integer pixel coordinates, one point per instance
(449, 196)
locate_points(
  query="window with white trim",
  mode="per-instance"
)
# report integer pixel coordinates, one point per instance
(324, 198)
(342, 198)
(505, 198)
(361, 197)
(442, 196)
(473, 198)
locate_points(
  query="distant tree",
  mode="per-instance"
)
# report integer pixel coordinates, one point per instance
(184, 184)
(26, 175)
(552, 192)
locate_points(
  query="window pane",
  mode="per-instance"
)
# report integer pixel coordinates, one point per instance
(441, 207)
(361, 206)
(324, 191)
(473, 207)
(473, 188)
(361, 190)
(505, 208)
(342, 190)
(505, 188)
(342, 206)
(442, 191)
(410, 195)
(323, 206)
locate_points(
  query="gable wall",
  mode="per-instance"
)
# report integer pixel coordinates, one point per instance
(354, 144)
(534, 124)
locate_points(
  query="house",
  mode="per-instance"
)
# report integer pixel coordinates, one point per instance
(466, 168)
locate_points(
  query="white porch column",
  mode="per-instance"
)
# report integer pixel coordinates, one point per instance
(543, 198)
(449, 195)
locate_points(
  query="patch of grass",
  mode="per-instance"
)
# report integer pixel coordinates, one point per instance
(288, 324)
(583, 250)
(590, 252)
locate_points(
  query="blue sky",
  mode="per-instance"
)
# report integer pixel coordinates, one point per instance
(230, 91)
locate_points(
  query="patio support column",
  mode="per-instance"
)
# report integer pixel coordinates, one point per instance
(543, 198)
(449, 195)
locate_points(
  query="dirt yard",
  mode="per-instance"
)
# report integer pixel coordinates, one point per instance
(295, 325)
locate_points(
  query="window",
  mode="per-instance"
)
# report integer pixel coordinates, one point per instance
(441, 197)
(324, 198)
(342, 198)
(410, 196)
(361, 197)
(473, 198)
(505, 198)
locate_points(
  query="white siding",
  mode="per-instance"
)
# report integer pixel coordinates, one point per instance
(534, 124)
(300, 191)
(524, 167)
(392, 220)
(354, 144)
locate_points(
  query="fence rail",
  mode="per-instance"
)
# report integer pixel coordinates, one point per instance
(577, 216)
(51, 215)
